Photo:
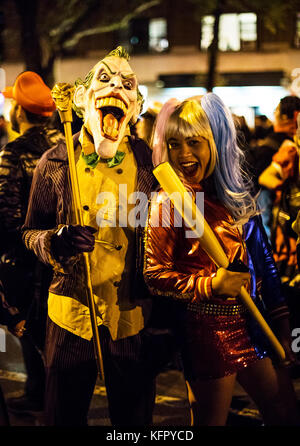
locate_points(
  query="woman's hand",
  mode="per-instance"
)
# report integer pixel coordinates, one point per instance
(228, 283)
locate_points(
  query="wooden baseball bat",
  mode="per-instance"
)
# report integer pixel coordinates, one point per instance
(172, 185)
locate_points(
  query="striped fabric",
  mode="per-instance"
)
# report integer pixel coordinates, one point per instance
(75, 350)
(281, 312)
(72, 373)
(50, 205)
(203, 288)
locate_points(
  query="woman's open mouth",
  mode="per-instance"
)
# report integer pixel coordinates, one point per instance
(189, 168)
(112, 111)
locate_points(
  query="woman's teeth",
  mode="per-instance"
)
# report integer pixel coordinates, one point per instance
(189, 168)
(188, 164)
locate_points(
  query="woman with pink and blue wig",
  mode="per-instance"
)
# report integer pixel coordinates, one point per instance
(220, 341)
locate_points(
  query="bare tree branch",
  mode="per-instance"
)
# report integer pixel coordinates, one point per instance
(121, 23)
(69, 25)
(69, 17)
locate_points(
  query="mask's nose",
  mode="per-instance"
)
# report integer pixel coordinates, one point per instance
(116, 82)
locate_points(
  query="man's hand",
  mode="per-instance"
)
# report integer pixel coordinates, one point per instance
(228, 283)
(71, 240)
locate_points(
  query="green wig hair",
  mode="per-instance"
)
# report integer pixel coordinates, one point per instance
(117, 52)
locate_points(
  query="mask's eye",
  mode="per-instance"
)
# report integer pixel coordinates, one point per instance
(128, 85)
(104, 77)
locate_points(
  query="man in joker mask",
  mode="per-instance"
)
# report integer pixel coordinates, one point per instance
(109, 100)
(110, 163)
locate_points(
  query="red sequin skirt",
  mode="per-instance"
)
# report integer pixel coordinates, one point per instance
(216, 346)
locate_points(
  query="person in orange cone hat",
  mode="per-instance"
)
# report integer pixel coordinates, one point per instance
(25, 280)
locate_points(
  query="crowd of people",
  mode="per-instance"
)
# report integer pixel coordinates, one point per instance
(157, 294)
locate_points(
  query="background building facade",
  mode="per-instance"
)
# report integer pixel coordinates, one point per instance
(169, 46)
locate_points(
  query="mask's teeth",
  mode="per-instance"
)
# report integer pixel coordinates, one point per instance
(111, 102)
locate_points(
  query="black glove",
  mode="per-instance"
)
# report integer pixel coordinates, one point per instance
(237, 266)
(71, 240)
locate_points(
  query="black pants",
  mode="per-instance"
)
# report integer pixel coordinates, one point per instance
(32, 343)
(71, 375)
(33, 361)
(26, 285)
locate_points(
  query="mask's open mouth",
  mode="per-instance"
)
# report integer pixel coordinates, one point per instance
(112, 111)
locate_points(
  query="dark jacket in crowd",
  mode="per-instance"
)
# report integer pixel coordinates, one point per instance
(23, 278)
(259, 157)
(9, 315)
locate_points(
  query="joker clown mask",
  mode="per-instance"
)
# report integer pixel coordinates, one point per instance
(109, 103)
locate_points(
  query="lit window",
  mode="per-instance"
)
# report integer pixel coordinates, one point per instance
(297, 34)
(236, 31)
(248, 30)
(158, 41)
(229, 39)
(207, 31)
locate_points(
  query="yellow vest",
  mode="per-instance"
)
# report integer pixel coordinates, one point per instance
(112, 257)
